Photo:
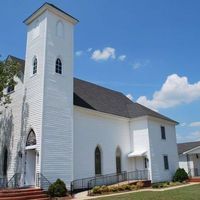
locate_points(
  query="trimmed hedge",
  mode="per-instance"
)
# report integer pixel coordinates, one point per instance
(57, 189)
(180, 175)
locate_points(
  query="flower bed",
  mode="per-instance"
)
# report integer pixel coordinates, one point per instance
(167, 184)
(99, 190)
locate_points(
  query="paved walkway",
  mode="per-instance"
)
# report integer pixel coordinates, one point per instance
(83, 195)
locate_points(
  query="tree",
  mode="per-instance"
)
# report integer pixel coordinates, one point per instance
(8, 70)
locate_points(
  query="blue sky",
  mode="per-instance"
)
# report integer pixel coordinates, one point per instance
(148, 50)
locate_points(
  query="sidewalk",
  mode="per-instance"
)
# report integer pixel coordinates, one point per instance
(83, 195)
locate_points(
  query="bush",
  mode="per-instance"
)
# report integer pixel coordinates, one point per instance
(180, 175)
(160, 185)
(104, 189)
(114, 189)
(139, 185)
(127, 187)
(57, 189)
(155, 185)
(97, 190)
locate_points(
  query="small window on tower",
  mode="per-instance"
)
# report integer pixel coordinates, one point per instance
(35, 62)
(58, 68)
(163, 135)
(10, 88)
(59, 29)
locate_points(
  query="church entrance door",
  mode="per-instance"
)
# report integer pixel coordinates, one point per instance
(30, 170)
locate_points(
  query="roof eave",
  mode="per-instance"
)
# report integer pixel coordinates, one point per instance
(188, 151)
(52, 8)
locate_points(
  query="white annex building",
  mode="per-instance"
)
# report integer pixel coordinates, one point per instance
(189, 157)
(63, 127)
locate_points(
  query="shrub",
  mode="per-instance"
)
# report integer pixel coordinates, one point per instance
(105, 189)
(97, 190)
(114, 189)
(180, 175)
(155, 185)
(133, 187)
(57, 189)
(139, 185)
(127, 187)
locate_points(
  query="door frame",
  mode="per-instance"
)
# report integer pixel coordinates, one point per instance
(33, 147)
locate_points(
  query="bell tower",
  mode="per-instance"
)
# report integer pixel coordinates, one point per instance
(49, 89)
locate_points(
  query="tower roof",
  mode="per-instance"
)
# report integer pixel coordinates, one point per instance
(55, 10)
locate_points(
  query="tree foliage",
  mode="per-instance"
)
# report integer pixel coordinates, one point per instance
(8, 70)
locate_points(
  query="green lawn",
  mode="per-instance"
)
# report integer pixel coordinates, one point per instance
(185, 193)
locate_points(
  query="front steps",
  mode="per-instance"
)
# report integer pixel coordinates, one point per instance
(23, 194)
(195, 179)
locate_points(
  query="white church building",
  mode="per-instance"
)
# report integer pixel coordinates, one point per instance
(63, 127)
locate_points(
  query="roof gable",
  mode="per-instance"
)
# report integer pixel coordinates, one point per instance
(184, 147)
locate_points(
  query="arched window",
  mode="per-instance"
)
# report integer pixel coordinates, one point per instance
(118, 161)
(97, 161)
(5, 162)
(58, 68)
(59, 29)
(31, 139)
(35, 63)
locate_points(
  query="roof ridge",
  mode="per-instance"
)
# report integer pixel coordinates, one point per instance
(189, 142)
(95, 84)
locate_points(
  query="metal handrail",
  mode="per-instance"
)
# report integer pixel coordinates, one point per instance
(192, 172)
(3, 182)
(14, 182)
(42, 182)
(82, 184)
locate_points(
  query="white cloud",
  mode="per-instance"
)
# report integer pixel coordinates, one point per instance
(183, 124)
(194, 124)
(122, 57)
(136, 65)
(194, 136)
(139, 64)
(176, 90)
(89, 49)
(79, 53)
(130, 97)
(105, 54)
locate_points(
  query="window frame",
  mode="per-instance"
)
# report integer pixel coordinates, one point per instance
(163, 132)
(10, 89)
(166, 164)
(35, 66)
(58, 66)
(118, 160)
(146, 160)
(98, 161)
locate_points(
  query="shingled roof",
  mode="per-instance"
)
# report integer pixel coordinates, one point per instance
(95, 97)
(183, 147)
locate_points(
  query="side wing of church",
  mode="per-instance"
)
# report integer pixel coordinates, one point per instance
(58, 126)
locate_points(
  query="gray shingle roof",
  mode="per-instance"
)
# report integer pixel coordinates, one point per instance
(21, 62)
(183, 147)
(101, 99)
(95, 97)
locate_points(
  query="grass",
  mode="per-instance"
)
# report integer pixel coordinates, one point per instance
(185, 193)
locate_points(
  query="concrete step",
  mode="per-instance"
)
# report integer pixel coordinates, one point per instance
(23, 194)
(194, 180)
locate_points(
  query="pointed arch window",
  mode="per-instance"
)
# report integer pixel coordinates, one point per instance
(98, 161)
(118, 161)
(31, 139)
(35, 63)
(58, 67)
